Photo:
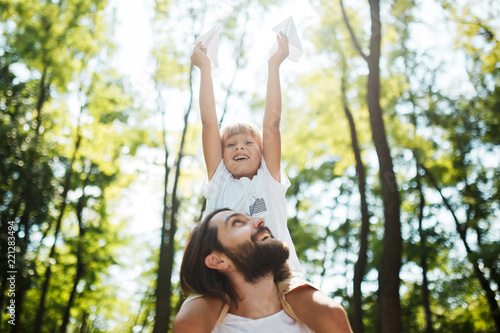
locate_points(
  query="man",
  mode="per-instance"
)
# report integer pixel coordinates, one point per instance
(234, 257)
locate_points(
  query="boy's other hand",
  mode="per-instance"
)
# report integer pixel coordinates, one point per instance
(282, 52)
(199, 57)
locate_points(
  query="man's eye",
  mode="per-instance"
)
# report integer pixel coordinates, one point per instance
(237, 222)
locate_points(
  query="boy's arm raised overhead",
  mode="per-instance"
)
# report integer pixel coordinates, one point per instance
(272, 114)
(212, 149)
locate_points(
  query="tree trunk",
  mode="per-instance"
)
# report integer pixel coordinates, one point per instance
(162, 302)
(80, 268)
(360, 266)
(145, 322)
(48, 273)
(390, 307)
(79, 273)
(167, 247)
(423, 258)
(162, 292)
(388, 293)
(83, 329)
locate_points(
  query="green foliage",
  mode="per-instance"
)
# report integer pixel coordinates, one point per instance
(52, 37)
(47, 49)
(464, 311)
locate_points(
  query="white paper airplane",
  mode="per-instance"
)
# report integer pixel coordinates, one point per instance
(289, 29)
(210, 40)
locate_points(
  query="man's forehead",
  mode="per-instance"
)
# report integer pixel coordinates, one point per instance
(223, 218)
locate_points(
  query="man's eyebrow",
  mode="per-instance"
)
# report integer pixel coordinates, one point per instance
(226, 221)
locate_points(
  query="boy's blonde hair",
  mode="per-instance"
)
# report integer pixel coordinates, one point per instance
(238, 128)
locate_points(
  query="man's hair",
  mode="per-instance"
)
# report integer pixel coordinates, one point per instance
(196, 277)
(239, 128)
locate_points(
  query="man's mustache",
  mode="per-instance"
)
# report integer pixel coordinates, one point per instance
(260, 230)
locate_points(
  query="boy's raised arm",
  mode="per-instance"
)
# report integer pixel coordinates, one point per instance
(272, 114)
(212, 149)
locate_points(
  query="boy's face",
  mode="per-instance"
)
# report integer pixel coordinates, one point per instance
(242, 155)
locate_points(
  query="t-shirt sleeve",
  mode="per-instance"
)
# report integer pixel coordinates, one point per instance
(211, 187)
(284, 182)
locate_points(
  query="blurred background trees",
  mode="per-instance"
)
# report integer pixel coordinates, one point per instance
(405, 234)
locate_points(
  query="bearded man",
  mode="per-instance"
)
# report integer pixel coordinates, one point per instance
(233, 257)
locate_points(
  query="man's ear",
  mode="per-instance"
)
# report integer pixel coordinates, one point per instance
(215, 261)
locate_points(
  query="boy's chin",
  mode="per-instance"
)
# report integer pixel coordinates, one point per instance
(243, 174)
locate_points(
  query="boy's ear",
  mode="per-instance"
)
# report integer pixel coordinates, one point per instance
(215, 261)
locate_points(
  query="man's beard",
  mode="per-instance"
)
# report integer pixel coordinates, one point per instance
(257, 259)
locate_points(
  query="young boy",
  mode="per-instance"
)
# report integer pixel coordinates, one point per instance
(244, 174)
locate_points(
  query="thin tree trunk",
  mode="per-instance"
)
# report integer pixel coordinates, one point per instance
(491, 263)
(390, 265)
(167, 248)
(162, 312)
(360, 265)
(423, 237)
(83, 329)
(136, 320)
(48, 273)
(162, 304)
(462, 231)
(162, 309)
(162, 292)
(80, 268)
(145, 322)
(423, 258)
(79, 273)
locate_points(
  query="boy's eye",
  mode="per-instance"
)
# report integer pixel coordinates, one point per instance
(249, 142)
(230, 145)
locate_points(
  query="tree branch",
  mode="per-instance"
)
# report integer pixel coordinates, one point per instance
(351, 32)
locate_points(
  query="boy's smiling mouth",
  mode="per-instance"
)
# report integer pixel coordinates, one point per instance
(240, 157)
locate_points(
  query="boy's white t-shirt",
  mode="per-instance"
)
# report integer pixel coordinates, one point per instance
(278, 322)
(260, 196)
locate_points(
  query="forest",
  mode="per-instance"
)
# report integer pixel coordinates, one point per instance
(390, 137)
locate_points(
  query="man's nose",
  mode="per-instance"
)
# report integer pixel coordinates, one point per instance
(257, 222)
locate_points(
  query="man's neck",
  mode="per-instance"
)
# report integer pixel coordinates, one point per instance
(257, 300)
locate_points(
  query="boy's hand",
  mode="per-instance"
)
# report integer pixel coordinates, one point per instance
(199, 57)
(282, 52)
